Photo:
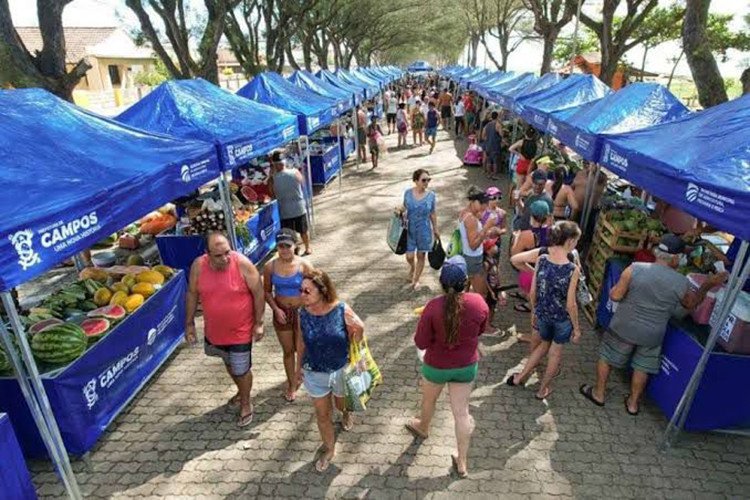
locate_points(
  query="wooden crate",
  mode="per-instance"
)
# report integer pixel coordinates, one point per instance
(610, 236)
(590, 312)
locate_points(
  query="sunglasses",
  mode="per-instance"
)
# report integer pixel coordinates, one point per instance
(425, 180)
(284, 245)
(305, 291)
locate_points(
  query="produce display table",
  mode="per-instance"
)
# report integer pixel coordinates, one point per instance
(720, 401)
(179, 252)
(325, 166)
(88, 394)
(347, 147)
(15, 480)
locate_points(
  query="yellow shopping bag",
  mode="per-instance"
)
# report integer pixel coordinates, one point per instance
(361, 376)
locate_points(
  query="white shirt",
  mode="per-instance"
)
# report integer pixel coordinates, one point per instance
(424, 108)
(392, 105)
(459, 109)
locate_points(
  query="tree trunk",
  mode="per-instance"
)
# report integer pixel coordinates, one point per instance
(702, 64)
(290, 57)
(549, 46)
(745, 80)
(307, 54)
(643, 62)
(674, 68)
(607, 71)
(474, 49)
(498, 65)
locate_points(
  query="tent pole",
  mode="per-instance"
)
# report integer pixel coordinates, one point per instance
(226, 203)
(588, 195)
(355, 119)
(732, 290)
(42, 413)
(308, 181)
(340, 145)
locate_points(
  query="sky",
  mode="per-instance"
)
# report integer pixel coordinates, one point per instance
(526, 58)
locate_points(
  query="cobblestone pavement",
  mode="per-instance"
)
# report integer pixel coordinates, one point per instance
(177, 439)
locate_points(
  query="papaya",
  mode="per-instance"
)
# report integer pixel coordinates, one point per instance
(119, 298)
(135, 260)
(150, 276)
(165, 271)
(129, 280)
(102, 297)
(145, 289)
(133, 302)
(93, 273)
(120, 287)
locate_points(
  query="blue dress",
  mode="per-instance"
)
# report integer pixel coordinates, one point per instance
(419, 225)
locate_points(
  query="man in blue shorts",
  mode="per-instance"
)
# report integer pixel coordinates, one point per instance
(433, 118)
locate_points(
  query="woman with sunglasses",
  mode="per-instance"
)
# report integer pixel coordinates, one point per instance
(473, 233)
(419, 203)
(282, 277)
(328, 325)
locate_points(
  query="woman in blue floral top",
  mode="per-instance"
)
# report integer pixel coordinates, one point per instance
(553, 304)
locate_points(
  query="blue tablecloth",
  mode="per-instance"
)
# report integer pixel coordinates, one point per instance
(325, 167)
(612, 271)
(15, 480)
(89, 393)
(180, 251)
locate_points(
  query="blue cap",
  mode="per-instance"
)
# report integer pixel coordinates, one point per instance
(454, 271)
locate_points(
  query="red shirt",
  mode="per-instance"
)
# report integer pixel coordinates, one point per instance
(431, 334)
(228, 309)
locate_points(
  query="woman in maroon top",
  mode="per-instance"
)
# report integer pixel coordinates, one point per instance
(448, 332)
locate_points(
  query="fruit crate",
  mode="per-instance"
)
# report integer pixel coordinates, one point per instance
(590, 312)
(619, 240)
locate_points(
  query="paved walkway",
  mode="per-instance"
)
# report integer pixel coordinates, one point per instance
(179, 440)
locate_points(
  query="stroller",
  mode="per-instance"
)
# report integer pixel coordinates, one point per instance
(474, 155)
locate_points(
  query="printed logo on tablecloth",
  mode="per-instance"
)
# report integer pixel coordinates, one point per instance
(89, 393)
(582, 142)
(707, 198)
(23, 242)
(614, 159)
(107, 378)
(552, 128)
(185, 173)
(153, 333)
(288, 132)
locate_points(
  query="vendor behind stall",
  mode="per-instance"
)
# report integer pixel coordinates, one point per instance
(648, 295)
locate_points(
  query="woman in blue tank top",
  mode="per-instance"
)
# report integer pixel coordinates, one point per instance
(282, 278)
(327, 327)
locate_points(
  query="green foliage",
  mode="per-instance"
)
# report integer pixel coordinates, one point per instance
(565, 46)
(153, 76)
(721, 38)
(661, 25)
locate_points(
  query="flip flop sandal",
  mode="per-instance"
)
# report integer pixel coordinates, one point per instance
(522, 308)
(627, 408)
(245, 420)
(588, 392)
(549, 391)
(511, 381)
(322, 464)
(454, 464)
(517, 295)
(415, 432)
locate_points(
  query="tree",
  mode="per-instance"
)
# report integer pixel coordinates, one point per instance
(567, 48)
(172, 14)
(662, 25)
(46, 68)
(510, 28)
(245, 44)
(550, 16)
(618, 35)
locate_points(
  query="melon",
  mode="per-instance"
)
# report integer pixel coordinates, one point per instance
(119, 298)
(102, 297)
(114, 313)
(95, 328)
(249, 194)
(59, 344)
(145, 289)
(41, 325)
(153, 277)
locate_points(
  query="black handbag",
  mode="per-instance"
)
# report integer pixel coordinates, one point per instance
(436, 256)
(401, 246)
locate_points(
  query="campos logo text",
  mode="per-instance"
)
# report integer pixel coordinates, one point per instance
(239, 153)
(615, 159)
(108, 377)
(23, 242)
(582, 142)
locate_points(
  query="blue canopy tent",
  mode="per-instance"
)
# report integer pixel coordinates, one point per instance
(74, 177)
(482, 77)
(344, 100)
(380, 74)
(540, 85)
(371, 89)
(313, 111)
(500, 93)
(701, 164)
(357, 90)
(196, 109)
(562, 99)
(465, 78)
(484, 88)
(361, 75)
(419, 67)
(637, 106)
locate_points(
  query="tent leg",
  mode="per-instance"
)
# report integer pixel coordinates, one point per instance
(340, 145)
(36, 397)
(311, 212)
(226, 203)
(588, 197)
(355, 121)
(734, 286)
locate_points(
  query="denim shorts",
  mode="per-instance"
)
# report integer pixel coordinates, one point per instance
(321, 384)
(555, 331)
(473, 264)
(431, 131)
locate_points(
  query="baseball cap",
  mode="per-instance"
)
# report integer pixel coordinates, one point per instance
(538, 176)
(544, 160)
(539, 208)
(286, 237)
(454, 271)
(671, 244)
(494, 192)
(487, 244)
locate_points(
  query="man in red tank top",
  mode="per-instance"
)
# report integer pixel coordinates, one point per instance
(230, 290)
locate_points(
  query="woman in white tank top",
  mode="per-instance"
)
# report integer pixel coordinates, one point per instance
(473, 235)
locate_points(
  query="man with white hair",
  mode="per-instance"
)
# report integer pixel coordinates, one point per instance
(648, 295)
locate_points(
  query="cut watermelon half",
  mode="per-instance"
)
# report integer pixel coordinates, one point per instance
(44, 324)
(94, 328)
(249, 194)
(112, 312)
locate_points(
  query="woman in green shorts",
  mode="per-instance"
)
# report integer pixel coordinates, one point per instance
(448, 332)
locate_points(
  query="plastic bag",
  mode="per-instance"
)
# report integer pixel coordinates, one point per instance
(361, 376)
(436, 256)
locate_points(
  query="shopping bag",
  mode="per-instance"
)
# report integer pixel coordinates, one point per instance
(401, 246)
(436, 256)
(361, 376)
(395, 230)
(454, 245)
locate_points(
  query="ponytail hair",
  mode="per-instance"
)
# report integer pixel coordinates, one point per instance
(452, 311)
(562, 232)
(559, 179)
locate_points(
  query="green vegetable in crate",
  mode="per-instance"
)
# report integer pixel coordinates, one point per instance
(60, 344)
(5, 366)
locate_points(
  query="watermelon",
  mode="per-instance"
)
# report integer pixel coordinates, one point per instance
(59, 344)
(113, 312)
(43, 325)
(249, 194)
(95, 328)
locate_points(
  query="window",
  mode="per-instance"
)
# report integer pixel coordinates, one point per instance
(114, 75)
